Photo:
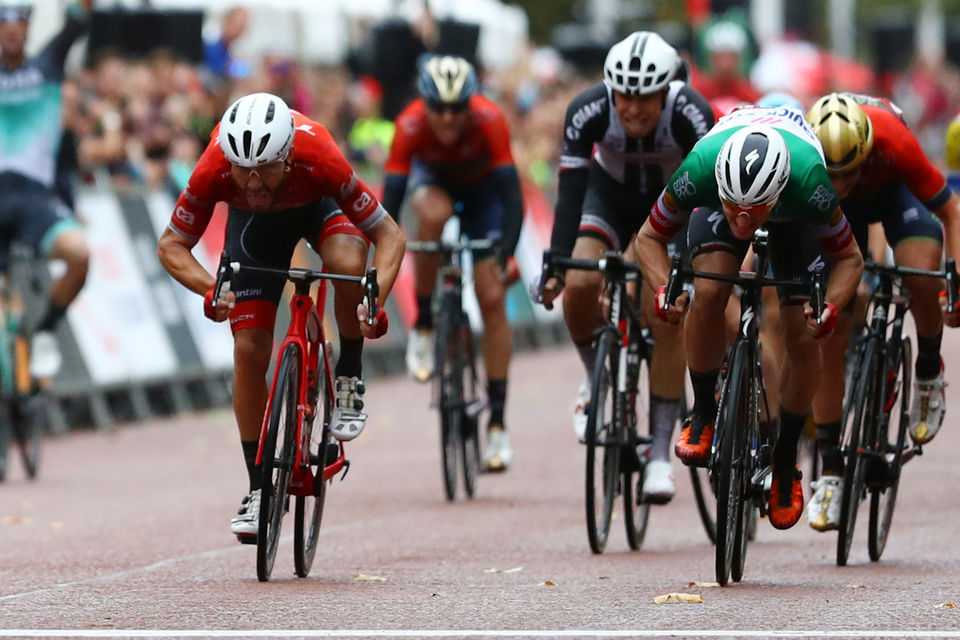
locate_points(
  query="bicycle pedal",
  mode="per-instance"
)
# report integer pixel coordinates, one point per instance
(246, 539)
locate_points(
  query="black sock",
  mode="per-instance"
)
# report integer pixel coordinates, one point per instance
(704, 390)
(424, 312)
(250, 458)
(928, 357)
(350, 362)
(785, 451)
(52, 317)
(497, 393)
(828, 442)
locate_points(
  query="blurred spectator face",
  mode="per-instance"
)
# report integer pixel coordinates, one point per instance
(261, 185)
(110, 76)
(13, 31)
(725, 63)
(638, 114)
(447, 121)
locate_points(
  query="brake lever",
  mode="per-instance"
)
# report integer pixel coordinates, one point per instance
(372, 292)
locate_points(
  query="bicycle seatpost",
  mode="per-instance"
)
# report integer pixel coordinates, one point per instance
(371, 292)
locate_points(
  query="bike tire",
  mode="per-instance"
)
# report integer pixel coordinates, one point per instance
(636, 512)
(279, 449)
(470, 417)
(892, 440)
(603, 452)
(858, 417)
(29, 424)
(731, 445)
(449, 366)
(6, 436)
(308, 510)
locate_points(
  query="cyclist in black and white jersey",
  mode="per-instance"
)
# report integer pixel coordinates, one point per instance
(30, 131)
(623, 137)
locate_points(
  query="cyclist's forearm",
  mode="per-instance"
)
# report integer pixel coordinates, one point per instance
(846, 267)
(174, 254)
(949, 215)
(390, 244)
(650, 251)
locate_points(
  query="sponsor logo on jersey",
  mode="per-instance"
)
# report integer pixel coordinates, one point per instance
(715, 218)
(692, 113)
(683, 186)
(817, 264)
(348, 187)
(584, 114)
(306, 128)
(184, 216)
(362, 202)
(822, 198)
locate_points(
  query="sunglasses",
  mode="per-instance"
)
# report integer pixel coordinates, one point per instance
(266, 172)
(760, 209)
(453, 107)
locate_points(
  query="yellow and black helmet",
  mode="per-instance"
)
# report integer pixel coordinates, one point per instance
(844, 130)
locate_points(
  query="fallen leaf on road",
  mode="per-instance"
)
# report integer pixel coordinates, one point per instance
(946, 605)
(16, 520)
(492, 570)
(514, 570)
(365, 578)
(57, 526)
(678, 597)
(856, 586)
(546, 583)
(704, 585)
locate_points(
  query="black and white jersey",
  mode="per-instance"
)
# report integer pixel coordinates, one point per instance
(592, 130)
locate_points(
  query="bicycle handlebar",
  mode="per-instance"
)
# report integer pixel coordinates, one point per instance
(443, 246)
(949, 273)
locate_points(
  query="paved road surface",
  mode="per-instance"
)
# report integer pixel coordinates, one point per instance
(128, 530)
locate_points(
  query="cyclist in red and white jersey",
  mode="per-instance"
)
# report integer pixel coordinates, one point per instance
(284, 179)
(452, 144)
(881, 174)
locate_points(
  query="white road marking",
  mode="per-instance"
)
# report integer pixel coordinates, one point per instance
(468, 633)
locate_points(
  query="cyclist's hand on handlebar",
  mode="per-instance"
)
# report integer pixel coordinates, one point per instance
(949, 319)
(673, 313)
(548, 292)
(380, 322)
(220, 310)
(821, 327)
(510, 272)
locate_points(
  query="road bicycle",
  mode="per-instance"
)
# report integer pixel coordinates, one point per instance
(876, 412)
(616, 454)
(740, 454)
(456, 391)
(22, 397)
(296, 454)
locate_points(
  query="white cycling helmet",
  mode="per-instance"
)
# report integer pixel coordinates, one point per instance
(753, 166)
(17, 8)
(256, 129)
(641, 63)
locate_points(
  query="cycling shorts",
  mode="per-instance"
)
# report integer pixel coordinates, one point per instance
(612, 213)
(30, 214)
(479, 205)
(795, 252)
(268, 240)
(903, 216)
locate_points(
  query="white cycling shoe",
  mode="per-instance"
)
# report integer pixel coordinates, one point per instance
(927, 408)
(246, 524)
(580, 411)
(498, 454)
(45, 359)
(823, 510)
(658, 482)
(420, 354)
(348, 419)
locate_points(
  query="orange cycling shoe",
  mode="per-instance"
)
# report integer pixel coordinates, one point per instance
(693, 450)
(786, 509)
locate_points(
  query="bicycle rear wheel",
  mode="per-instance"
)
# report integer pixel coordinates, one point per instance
(449, 363)
(603, 450)
(733, 451)
(29, 422)
(308, 510)
(636, 512)
(892, 441)
(859, 417)
(470, 418)
(279, 449)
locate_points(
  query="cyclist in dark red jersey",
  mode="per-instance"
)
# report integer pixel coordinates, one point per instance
(881, 174)
(453, 145)
(284, 179)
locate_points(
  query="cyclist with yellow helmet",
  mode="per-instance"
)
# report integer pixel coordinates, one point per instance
(881, 174)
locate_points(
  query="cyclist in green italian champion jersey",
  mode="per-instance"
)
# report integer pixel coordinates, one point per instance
(756, 167)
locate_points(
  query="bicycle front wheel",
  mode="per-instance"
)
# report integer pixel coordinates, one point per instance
(859, 417)
(308, 510)
(637, 512)
(279, 450)
(603, 449)
(29, 421)
(449, 364)
(470, 417)
(892, 441)
(733, 447)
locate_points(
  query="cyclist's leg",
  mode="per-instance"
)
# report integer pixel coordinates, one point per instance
(917, 240)
(433, 205)
(713, 248)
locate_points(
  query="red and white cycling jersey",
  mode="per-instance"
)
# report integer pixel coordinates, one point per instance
(319, 170)
(483, 147)
(896, 156)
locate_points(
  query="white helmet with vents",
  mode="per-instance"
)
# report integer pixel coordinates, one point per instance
(641, 63)
(256, 129)
(753, 166)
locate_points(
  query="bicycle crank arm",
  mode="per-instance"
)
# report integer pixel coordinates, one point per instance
(907, 454)
(760, 488)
